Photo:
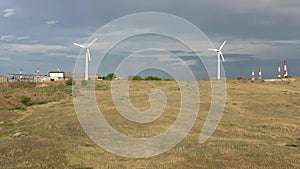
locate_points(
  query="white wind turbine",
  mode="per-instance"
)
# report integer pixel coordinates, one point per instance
(87, 57)
(220, 54)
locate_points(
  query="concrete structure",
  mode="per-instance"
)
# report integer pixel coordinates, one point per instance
(39, 78)
(22, 77)
(52, 76)
(60, 76)
(45, 79)
(57, 76)
(27, 78)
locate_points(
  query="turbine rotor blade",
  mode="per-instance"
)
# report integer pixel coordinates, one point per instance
(222, 45)
(92, 42)
(76, 44)
(88, 54)
(215, 50)
(221, 54)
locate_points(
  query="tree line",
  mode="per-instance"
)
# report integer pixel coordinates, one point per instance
(112, 76)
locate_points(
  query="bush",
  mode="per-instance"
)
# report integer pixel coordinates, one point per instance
(69, 82)
(152, 78)
(110, 76)
(239, 78)
(168, 79)
(137, 78)
(25, 100)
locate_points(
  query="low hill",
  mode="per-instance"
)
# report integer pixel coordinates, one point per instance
(259, 128)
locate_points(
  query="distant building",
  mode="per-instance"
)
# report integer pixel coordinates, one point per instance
(60, 76)
(57, 76)
(51, 77)
(22, 77)
(44, 79)
(91, 76)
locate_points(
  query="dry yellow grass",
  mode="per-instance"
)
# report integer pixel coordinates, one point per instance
(259, 129)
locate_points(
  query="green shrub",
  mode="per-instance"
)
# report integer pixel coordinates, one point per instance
(110, 76)
(239, 78)
(25, 100)
(152, 78)
(69, 82)
(137, 78)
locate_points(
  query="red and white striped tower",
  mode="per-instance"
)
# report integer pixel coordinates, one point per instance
(38, 71)
(279, 73)
(253, 76)
(259, 73)
(285, 74)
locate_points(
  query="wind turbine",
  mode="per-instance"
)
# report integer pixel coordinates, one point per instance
(87, 57)
(220, 54)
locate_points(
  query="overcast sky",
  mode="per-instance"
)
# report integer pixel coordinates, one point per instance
(260, 33)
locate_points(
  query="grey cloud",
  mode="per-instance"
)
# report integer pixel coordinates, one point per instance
(278, 43)
(9, 38)
(8, 12)
(52, 22)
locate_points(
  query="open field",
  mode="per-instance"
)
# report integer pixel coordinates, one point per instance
(260, 127)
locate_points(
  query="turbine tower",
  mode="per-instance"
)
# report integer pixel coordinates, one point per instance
(220, 54)
(87, 57)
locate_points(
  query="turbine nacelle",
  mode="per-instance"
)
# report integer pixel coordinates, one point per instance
(219, 51)
(87, 54)
(86, 46)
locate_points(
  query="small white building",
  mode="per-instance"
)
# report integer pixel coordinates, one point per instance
(57, 76)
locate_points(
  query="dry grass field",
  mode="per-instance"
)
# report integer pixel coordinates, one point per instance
(260, 127)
